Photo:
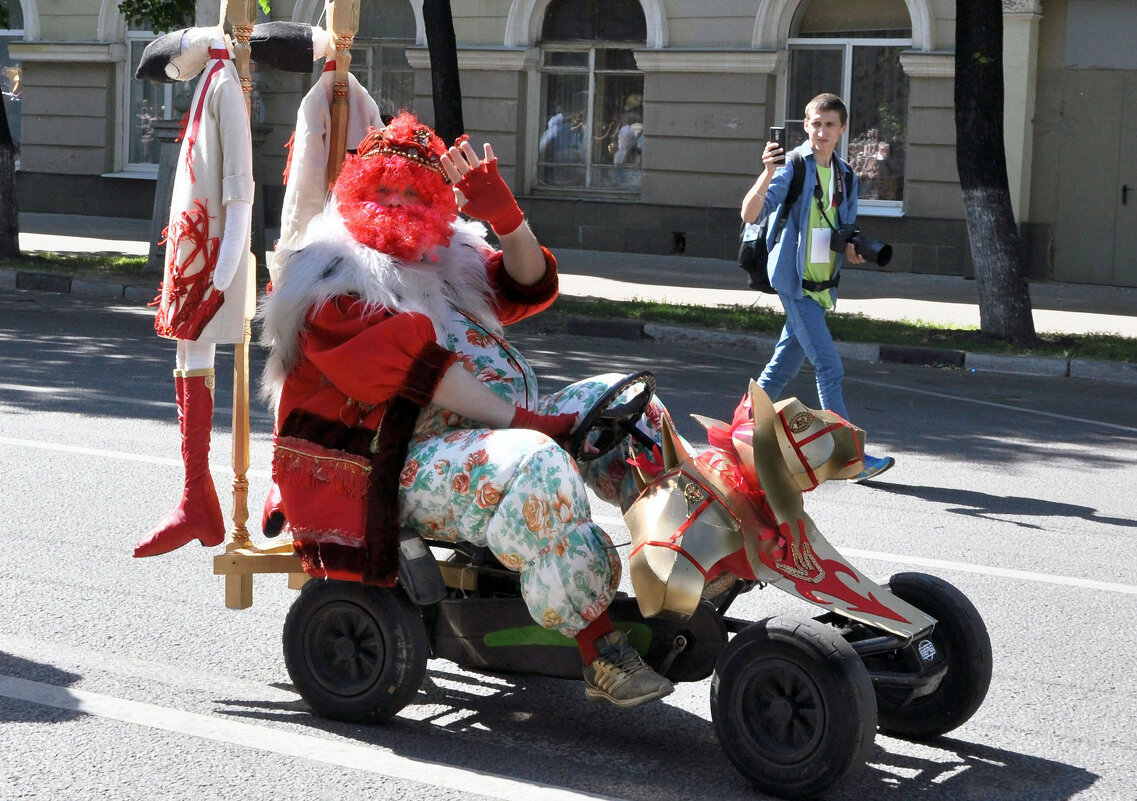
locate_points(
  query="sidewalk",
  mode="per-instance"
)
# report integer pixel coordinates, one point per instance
(1058, 307)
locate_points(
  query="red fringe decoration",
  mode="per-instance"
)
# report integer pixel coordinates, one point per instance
(288, 161)
(188, 302)
(304, 464)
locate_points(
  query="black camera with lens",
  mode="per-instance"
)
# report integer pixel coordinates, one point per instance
(868, 249)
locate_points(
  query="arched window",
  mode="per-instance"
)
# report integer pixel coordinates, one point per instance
(853, 49)
(379, 53)
(10, 70)
(148, 102)
(592, 95)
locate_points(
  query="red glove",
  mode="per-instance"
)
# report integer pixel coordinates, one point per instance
(489, 199)
(557, 426)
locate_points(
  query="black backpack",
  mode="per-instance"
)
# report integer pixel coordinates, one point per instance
(752, 251)
(752, 239)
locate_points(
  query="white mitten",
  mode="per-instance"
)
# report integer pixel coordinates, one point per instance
(234, 242)
(195, 53)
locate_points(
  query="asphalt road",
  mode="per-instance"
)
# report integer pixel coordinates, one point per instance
(123, 679)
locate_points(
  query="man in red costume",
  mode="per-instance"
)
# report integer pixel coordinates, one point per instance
(399, 401)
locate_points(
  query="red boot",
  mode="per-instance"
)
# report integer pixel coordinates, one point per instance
(198, 515)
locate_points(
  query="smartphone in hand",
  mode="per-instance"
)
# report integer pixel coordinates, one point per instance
(778, 134)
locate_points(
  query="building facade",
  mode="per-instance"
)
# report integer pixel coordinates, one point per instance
(637, 125)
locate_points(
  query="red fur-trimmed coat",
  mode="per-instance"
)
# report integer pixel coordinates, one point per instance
(352, 364)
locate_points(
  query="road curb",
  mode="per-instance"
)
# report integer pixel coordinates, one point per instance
(1102, 370)
(555, 322)
(1017, 365)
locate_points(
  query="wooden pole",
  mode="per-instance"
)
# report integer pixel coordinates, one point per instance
(239, 588)
(343, 22)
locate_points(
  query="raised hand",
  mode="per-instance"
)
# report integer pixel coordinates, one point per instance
(479, 188)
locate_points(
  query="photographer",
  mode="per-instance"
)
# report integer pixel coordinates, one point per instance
(802, 266)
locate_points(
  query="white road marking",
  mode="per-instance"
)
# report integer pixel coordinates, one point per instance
(81, 393)
(290, 744)
(164, 461)
(997, 405)
(612, 523)
(959, 399)
(987, 570)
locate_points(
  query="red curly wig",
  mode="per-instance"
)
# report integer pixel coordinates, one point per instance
(392, 194)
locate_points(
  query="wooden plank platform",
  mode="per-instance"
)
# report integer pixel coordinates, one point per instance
(240, 564)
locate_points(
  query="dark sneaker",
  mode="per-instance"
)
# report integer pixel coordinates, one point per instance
(874, 467)
(620, 676)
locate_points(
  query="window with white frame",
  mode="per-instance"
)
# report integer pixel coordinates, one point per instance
(591, 96)
(148, 102)
(379, 53)
(10, 70)
(853, 50)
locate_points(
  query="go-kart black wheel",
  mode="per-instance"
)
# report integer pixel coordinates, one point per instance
(354, 652)
(793, 707)
(961, 640)
(605, 425)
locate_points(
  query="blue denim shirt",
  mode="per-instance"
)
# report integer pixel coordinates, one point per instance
(786, 263)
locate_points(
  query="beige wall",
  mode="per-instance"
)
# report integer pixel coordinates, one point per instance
(480, 23)
(702, 136)
(68, 119)
(931, 178)
(74, 21)
(719, 23)
(1049, 127)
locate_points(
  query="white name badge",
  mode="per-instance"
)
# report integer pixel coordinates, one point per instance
(819, 245)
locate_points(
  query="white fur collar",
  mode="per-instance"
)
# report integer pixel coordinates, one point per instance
(329, 262)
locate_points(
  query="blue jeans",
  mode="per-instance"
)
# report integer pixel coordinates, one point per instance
(806, 336)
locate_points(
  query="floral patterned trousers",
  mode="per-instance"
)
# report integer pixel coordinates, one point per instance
(518, 492)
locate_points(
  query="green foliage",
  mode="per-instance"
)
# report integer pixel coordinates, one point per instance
(93, 265)
(891, 128)
(5, 19)
(163, 16)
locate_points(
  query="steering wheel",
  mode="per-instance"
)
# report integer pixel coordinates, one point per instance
(605, 425)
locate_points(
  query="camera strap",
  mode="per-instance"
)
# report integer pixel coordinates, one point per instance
(820, 198)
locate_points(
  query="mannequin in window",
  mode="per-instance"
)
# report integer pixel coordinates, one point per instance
(562, 143)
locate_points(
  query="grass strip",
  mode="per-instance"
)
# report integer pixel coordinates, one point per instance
(854, 328)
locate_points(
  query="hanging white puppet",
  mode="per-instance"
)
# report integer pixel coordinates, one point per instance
(292, 47)
(208, 292)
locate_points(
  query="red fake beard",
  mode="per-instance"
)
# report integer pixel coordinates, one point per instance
(407, 232)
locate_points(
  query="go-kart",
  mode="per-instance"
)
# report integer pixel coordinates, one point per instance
(795, 702)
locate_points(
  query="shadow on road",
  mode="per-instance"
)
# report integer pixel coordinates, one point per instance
(542, 730)
(16, 710)
(973, 503)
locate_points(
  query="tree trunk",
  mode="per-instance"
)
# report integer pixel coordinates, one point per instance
(9, 208)
(445, 86)
(1000, 269)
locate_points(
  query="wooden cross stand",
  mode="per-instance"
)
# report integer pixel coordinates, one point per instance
(242, 559)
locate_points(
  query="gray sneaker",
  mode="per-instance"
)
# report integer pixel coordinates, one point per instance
(620, 676)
